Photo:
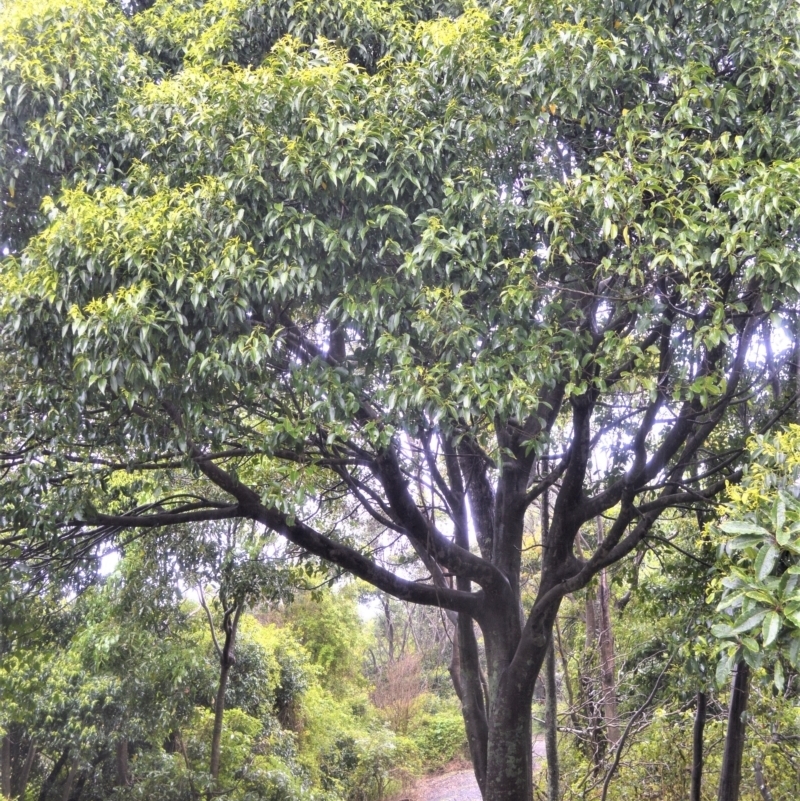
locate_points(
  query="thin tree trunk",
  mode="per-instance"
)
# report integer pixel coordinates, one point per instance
(219, 709)
(731, 775)
(588, 685)
(50, 780)
(551, 724)
(633, 718)
(412, 629)
(550, 691)
(761, 782)
(564, 665)
(795, 366)
(122, 762)
(455, 667)
(697, 747)
(67, 790)
(607, 657)
(472, 701)
(5, 766)
(387, 614)
(227, 659)
(22, 785)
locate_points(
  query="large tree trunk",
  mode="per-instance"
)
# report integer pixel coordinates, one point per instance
(509, 776)
(731, 774)
(697, 747)
(551, 724)
(511, 682)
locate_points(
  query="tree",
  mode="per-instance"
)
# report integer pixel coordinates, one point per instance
(312, 264)
(237, 561)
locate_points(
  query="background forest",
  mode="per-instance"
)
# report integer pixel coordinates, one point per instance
(114, 694)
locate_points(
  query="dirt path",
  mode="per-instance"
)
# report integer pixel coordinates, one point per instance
(460, 785)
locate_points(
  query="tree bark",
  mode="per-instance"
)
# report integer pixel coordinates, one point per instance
(387, 613)
(230, 625)
(697, 747)
(550, 690)
(731, 775)
(511, 683)
(608, 663)
(473, 708)
(509, 775)
(761, 782)
(455, 667)
(122, 762)
(594, 744)
(219, 709)
(50, 779)
(551, 725)
(66, 791)
(22, 784)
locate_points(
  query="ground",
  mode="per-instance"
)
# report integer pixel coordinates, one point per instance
(459, 785)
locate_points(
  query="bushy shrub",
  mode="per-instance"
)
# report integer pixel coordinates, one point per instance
(440, 736)
(252, 682)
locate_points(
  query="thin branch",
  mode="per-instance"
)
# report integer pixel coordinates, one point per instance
(210, 619)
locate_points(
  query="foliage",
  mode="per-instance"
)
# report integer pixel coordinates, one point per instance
(363, 271)
(666, 610)
(329, 626)
(136, 664)
(758, 587)
(439, 735)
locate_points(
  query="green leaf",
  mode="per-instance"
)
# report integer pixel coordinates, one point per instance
(743, 527)
(771, 628)
(778, 677)
(722, 630)
(744, 541)
(765, 561)
(794, 650)
(753, 658)
(750, 644)
(749, 623)
(724, 668)
(780, 516)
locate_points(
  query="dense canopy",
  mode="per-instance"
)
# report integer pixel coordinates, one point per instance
(402, 268)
